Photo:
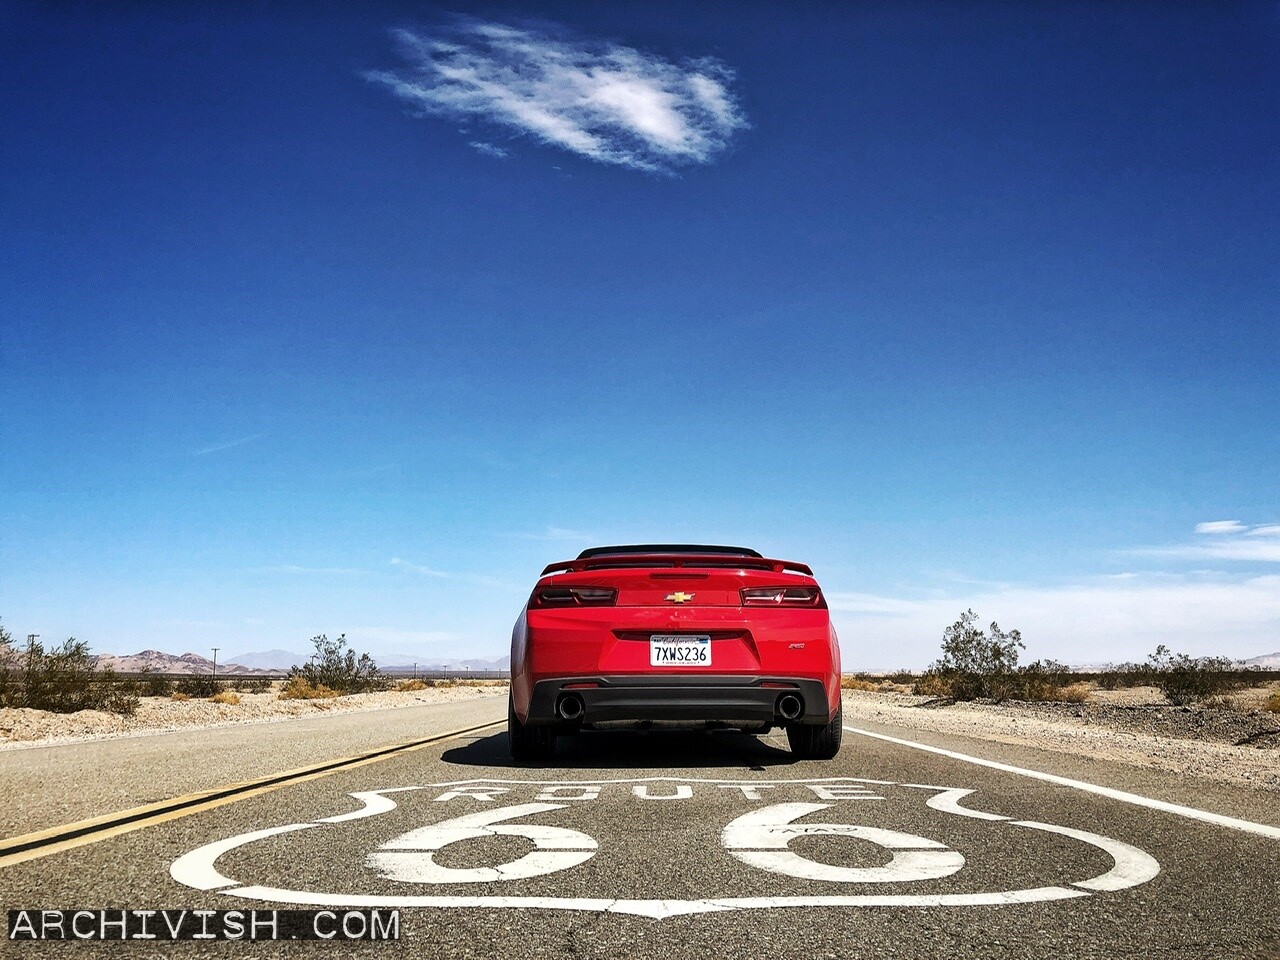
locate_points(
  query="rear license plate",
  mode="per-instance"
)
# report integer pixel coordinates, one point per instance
(679, 651)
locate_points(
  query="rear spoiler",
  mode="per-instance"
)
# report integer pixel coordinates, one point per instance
(617, 562)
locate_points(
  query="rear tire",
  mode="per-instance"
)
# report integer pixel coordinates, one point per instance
(527, 742)
(816, 742)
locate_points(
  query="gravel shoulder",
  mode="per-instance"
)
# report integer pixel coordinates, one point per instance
(1136, 727)
(23, 727)
(1235, 746)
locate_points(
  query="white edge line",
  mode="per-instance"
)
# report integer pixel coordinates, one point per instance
(1191, 813)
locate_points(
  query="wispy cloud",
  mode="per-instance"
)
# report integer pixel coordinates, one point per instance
(417, 568)
(1103, 619)
(557, 534)
(601, 100)
(489, 150)
(1225, 540)
(1221, 526)
(294, 568)
(229, 445)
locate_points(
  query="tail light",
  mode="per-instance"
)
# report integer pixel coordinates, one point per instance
(569, 596)
(782, 597)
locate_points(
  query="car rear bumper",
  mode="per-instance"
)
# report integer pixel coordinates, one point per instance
(680, 697)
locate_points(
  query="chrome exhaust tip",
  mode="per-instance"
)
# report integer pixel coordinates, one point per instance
(790, 706)
(570, 707)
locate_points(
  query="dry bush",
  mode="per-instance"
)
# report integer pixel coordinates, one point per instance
(180, 696)
(857, 683)
(225, 696)
(298, 687)
(1075, 693)
(336, 667)
(409, 686)
(933, 685)
(1273, 703)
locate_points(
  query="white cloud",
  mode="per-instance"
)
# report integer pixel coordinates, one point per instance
(557, 534)
(600, 100)
(417, 568)
(295, 568)
(229, 445)
(1221, 526)
(1106, 620)
(488, 149)
(1227, 540)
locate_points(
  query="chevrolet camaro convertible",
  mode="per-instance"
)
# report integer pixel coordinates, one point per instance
(698, 635)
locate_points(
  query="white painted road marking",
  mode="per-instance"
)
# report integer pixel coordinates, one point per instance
(760, 839)
(1191, 813)
(410, 858)
(198, 868)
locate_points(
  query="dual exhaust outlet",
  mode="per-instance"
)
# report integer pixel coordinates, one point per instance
(570, 707)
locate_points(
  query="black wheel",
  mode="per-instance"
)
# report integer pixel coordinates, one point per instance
(526, 742)
(811, 741)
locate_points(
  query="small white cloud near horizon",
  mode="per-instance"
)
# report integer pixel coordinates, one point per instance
(1221, 526)
(229, 445)
(600, 100)
(1086, 622)
(417, 568)
(1224, 540)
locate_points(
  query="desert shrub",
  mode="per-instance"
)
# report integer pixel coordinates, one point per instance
(1183, 679)
(61, 679)
(251, 684)
(1074, 693)
(975, 664)
(1044, 680)
(338, 668)
(1272, 704)
(200, 686)
(1126, 675)
(932, 685)
(179, 696)
(902, 677)
(408, 686)
(151, 683)
(225, 696)
(300, 688)
(857, 683)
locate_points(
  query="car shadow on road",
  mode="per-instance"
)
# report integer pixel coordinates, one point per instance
(632, 750)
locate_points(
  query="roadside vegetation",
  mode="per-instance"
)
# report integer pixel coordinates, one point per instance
(983, 664)
(334, 670)
(61, 679)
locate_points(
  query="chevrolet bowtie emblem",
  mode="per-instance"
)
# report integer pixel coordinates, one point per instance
(679, 597)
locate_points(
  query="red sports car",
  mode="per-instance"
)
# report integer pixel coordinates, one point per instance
(710, 635)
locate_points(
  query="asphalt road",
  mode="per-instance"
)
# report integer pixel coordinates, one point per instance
(694, 845)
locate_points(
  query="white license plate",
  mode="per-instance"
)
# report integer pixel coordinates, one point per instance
(679, 651)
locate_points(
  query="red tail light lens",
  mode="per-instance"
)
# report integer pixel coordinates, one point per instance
(569, 596)
(782, 597)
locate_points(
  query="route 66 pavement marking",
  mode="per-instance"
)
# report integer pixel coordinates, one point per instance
(837, 807)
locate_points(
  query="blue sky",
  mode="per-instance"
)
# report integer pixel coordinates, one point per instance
(321, 318)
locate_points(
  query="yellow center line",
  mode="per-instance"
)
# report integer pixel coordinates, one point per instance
(43, 843)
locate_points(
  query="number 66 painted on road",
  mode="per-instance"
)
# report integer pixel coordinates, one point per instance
(759, 839)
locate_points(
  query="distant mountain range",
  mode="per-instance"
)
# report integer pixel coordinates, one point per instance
(275, 661)
(1270, 661)
(188, 664)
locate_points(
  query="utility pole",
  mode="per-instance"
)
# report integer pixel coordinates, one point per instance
(215, 669)
(31, 656)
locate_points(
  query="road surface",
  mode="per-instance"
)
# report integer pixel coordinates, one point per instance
(662, 844)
